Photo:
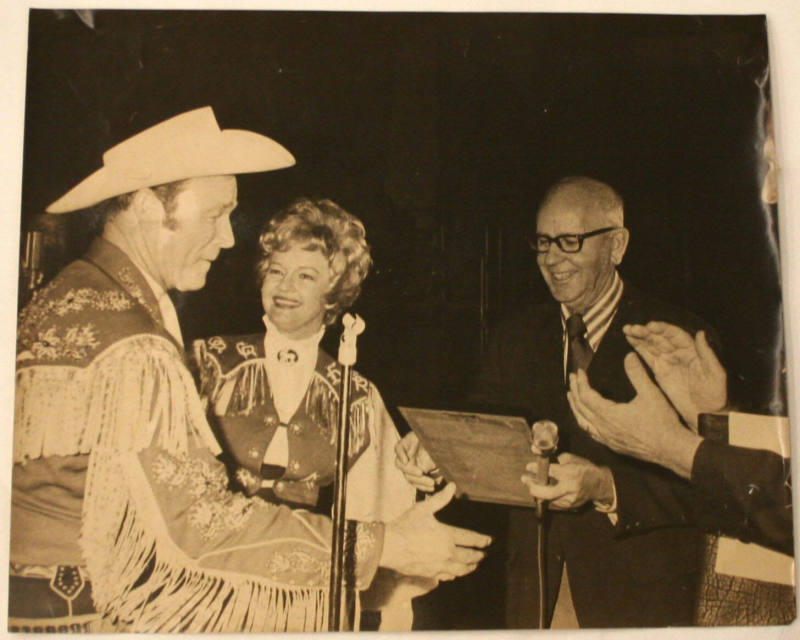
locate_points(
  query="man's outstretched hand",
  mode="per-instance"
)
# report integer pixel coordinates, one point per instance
(417, 544)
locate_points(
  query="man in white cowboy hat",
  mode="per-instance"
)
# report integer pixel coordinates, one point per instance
(121, 519)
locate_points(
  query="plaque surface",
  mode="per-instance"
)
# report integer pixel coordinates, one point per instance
(484, 454)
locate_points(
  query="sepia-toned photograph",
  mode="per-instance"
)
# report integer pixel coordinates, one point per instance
(398, 321)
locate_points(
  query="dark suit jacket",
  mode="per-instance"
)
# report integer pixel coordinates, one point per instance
(641, 572)
(745, 493)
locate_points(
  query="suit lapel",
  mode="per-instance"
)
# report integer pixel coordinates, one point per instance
(607, 376)
(606, 371)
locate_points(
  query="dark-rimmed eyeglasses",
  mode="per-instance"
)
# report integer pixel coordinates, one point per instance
(567, 242)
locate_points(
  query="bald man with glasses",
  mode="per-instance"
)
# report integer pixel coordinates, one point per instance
(619, 530)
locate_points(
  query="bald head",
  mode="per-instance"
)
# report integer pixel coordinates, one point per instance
(589, 213)
(593, 200)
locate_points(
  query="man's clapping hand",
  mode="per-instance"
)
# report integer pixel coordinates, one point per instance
(647, 427)
(685, 368)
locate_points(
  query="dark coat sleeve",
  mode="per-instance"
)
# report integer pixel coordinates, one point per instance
(745, 493)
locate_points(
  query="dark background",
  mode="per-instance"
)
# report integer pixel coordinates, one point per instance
(441, 132)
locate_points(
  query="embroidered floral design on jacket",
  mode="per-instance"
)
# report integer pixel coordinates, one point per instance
(215, 511)
(287, 566)
(42, 309)
(126, 277)
(78, 300)
(73, 344)
(365, 540)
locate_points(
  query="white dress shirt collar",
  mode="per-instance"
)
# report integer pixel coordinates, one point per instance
(168, 313)
(290, 365)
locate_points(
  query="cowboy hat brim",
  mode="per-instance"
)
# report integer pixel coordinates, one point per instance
(190, 145)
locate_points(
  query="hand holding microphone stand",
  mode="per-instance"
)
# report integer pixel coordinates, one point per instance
(544, 441)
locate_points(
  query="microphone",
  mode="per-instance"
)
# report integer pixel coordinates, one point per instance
(544, 442)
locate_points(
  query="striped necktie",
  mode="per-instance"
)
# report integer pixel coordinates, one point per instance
(579, 353)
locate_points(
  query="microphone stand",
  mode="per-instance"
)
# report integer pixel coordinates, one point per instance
(353, 326)
(31, 270)
(545, 439)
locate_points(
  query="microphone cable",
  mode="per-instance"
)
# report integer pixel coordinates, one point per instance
(544, 434)
(540, 553)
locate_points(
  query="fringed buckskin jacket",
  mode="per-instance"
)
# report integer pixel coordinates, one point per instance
(115, 471)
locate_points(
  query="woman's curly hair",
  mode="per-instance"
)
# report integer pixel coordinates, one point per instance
(324, 226)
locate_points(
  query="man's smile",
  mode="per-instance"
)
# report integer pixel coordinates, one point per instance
(562, 276)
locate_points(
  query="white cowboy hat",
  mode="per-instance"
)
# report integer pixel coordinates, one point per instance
(189, 145)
